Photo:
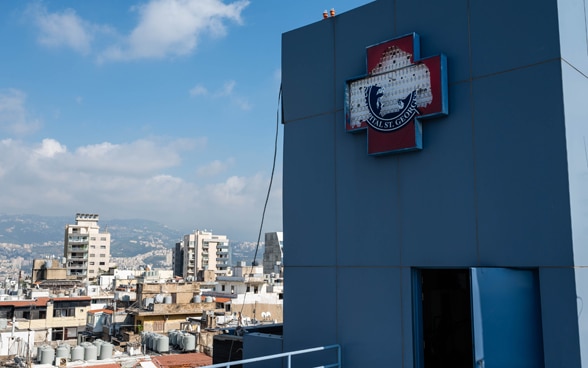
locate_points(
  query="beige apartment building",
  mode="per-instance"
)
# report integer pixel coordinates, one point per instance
(204, 251)
(86, 248)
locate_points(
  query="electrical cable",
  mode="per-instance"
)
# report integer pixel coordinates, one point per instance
(271, 176)
(253, 263)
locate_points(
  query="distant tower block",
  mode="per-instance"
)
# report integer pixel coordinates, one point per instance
(86, 248)
(273, 254)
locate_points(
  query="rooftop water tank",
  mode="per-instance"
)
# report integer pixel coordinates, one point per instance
(77, 353)
(90, 352)
(62, 352)
(39, 348)
(47, 355)
(162, 344)
(98, 343)
(173, 337)
(189, 342)
(106, 351)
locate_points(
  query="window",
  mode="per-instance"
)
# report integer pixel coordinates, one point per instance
(71, 332)
(64, 312)
(57, 334)
(248, 288)
(92, 255)
(103, 247)
(157, 325)
(102, 263)
(223, 288)
(103, 239)
(93, 238)
(255, 290)
(91, 271)
(91, 263)
(92, 247)
(102, 255)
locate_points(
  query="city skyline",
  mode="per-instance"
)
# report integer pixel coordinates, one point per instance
(163, 110)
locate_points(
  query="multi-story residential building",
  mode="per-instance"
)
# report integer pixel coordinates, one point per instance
(51, 318)
(205, 251)
(86, 248)
(273, 253)
(163, 306)
(248, 292)
(178, 259)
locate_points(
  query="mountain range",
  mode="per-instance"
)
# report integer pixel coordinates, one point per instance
(42, 236)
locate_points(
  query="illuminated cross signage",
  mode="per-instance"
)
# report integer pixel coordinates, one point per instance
(399, 90)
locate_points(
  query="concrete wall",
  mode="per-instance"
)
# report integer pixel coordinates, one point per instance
(491, 187)
(181, 292)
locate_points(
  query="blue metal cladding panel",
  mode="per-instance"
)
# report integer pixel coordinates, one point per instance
(508, 34)
(560, 316)
(436, 191)
(365, 192)
(453, 41)
(359, 325)
(309, 196)
(507, 318)
(257, 344)
(521, 170)
(307, 71)
(305, 325)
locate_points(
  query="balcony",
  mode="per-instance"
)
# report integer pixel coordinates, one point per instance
(78, 257)
(77, 248)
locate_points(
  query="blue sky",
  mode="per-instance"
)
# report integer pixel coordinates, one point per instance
(156, 109)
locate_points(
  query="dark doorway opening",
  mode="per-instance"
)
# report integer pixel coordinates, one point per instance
(446, 318)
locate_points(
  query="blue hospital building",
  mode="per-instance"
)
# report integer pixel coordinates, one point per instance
(435, 190)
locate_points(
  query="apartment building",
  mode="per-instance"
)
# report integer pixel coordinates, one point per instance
(203, 251)
(273, 253)
(86, 248)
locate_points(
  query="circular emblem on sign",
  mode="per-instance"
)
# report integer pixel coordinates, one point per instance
(386, 114)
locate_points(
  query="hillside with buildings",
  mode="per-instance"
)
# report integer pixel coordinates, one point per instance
(85, 304)
(133, 242)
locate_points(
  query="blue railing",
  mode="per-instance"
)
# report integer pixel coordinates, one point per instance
(288, 357)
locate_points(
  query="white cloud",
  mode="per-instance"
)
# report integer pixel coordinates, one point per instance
(165, 28)
(174, 28)
(134, 180)
(215, 167)
(50, 147)
(198, 90)
(226, 90)
(14, 117)
(65, 29)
